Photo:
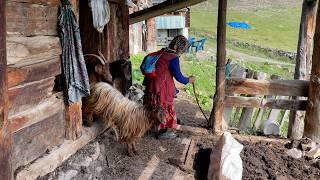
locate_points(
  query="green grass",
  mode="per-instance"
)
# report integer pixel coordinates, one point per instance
(205, 79)
(272, 27)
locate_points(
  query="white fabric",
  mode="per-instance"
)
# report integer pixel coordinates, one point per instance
(100, 13)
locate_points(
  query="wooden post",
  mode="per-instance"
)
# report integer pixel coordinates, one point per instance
(312, 121)
(246, 115)
(6, 172)
(303, 63)
(218, 109)
(73, 121)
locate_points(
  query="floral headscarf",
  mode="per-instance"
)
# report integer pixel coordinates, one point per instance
(181, 42)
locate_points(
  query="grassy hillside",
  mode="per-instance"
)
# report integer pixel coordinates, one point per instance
(275, 23)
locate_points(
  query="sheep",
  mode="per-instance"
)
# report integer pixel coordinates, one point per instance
(115, 110)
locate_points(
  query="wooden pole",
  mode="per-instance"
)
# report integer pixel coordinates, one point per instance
(218, 109)
(303, 63)
(312, 120)
(5, 133)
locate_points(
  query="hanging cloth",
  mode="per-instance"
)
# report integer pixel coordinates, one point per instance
(74, 68)
(100, 13)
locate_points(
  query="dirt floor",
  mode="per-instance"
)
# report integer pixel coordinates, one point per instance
(105, 158)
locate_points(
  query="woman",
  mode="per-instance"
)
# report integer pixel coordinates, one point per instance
(160, 88)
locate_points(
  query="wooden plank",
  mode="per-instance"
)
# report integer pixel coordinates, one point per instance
(246, 114)
(73, 121)
(54, 159)
(32, 141)
(218, 108)
(31, 19)
(6, 171)
(42, 2)
(160, 9)
(268, 87)
(303, 63)
(235, 101)
(312, 121)
(37, 49)
(20, 74)
(34, 114)
(23, 97)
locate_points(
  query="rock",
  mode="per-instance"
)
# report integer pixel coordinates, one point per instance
(307, 144)
(86, 162)
(162, 149)
(293, 144)
(99, 169)
(271, 128)
(313, 153)
(96, 153)
(68, 175)
(295, 153)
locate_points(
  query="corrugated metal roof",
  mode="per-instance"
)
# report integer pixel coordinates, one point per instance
(170, 22)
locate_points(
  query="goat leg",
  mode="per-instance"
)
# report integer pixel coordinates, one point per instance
(87, 117)
(134, 148)
(130, 149)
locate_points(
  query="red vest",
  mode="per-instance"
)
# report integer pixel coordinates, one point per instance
(163, 85)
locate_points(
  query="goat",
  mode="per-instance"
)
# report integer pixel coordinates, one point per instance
(121, 75)
(115, 110)
(98, 71)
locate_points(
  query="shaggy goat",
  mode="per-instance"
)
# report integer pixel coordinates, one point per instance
(115, 110)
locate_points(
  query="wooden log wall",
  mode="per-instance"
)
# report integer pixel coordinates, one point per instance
(37, 116)
(6, 171)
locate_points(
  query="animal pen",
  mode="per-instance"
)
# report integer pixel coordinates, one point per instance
(34, 117)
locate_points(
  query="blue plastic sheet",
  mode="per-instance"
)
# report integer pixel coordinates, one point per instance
(239, 25)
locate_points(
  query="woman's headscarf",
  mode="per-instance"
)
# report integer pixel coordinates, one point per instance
(181, 42)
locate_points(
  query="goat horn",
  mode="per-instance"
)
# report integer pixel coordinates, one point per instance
(102, 56)
(98, 57)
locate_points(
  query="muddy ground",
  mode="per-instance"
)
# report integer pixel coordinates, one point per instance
(104, 158)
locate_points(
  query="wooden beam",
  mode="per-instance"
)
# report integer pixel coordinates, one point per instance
(73, 121)
(254, 102)
(160, 9)
(28, 19)
(218, 108)
(6, 172)
(303, 63)
(312, 121)
(268, 87)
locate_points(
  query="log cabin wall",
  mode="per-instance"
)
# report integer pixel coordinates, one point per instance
(115, 35)
(37, 116)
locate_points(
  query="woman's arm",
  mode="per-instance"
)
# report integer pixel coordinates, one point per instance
(174, 67)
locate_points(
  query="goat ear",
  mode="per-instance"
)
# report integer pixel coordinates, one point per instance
(98, 69)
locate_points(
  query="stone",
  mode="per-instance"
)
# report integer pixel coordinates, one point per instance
(295, 153)
(67, 175)
(86, 162)
(70, 174)
(96, 153)
(307, 144)
(313, 153)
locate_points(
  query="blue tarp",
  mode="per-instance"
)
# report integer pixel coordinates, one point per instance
(239, 25)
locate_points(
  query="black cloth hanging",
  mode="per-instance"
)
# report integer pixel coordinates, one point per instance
(74, 68)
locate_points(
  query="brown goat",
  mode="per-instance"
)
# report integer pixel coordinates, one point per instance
(98, 69)
(115, 110)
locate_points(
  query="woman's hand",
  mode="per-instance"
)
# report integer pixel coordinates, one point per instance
(192, 79)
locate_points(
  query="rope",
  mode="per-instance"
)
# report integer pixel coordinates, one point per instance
(197, 100)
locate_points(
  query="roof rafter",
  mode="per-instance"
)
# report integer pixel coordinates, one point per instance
(162, 8)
